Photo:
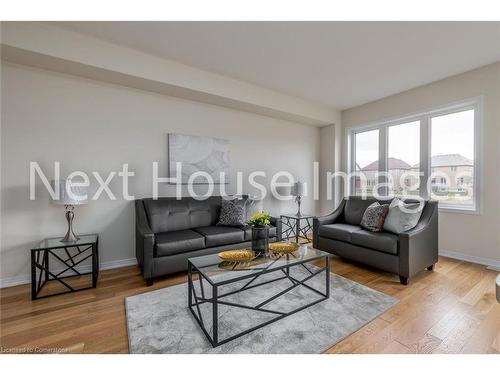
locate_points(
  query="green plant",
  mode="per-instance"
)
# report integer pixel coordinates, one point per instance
(261, 219)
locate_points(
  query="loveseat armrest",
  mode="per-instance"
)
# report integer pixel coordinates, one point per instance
(325, 220)
(331, 218)
(144, 240)
(276, 221)
(418, 247)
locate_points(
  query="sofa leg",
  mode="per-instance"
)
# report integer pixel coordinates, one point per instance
(430, 268)
(149, 282)
(403, 280)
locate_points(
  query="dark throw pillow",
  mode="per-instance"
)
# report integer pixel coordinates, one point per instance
(232, 213)
(374, 217)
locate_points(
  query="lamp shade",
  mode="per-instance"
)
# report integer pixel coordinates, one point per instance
(298, 189)
(70, 194)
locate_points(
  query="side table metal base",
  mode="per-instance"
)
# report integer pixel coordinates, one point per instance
(291, 227)
(69, 256)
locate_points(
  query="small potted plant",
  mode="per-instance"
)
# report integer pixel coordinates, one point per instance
(260, 220)
(260, 233)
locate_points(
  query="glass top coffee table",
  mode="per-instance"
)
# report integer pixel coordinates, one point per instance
(212, 282)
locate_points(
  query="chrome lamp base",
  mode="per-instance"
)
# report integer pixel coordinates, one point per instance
(70, 235)
(298, 199)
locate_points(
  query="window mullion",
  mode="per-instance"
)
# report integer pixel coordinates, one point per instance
(382, 159)
(425, 156)
(352, 163)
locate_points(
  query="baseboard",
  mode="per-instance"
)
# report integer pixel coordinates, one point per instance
(118, 264)
(491, 263)
(15, 280)
(26, 279)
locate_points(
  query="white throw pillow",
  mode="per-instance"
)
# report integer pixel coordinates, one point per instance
(402, 216)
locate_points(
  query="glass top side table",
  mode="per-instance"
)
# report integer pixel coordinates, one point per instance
(55, 262)
(296, 226)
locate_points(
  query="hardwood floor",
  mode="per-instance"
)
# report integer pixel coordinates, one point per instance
(450, 310)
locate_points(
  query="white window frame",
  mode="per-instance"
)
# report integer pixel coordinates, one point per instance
(475, 103)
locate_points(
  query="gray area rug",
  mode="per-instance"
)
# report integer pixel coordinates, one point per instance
(160, 322)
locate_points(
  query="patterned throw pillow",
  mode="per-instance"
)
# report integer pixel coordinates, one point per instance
(232, 213)
(374, 217)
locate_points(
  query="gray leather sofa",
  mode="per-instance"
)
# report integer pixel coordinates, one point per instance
(405, 254)
(168, 231)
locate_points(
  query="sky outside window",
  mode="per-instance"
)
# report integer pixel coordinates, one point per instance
(453, 134)
(366, 148)
(404, 142)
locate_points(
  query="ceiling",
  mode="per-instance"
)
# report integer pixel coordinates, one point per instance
(340, 64)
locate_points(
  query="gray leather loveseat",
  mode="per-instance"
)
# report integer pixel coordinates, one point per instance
(168, 231)
(405, 254)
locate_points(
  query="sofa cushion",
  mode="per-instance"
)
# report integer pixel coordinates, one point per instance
(381, 241)
(248, 232)
(171, 214)
(339, 232)
(179, 241)
(220, 235)
(354, 209)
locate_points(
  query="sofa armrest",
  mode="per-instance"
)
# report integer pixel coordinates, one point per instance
(144, 240)
(418, 247)
(276, 221)
(331, 218)
(325, 220)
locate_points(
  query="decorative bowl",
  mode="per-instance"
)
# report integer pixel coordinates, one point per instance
(283, 247)
(245, 255)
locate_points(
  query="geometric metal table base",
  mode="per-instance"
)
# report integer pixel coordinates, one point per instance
(195, 300)
(291, 226)
(67, 255)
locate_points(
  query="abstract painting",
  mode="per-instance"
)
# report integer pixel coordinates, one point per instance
(206, 154)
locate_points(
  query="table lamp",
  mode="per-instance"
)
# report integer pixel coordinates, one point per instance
(70, 196)
(298, 191)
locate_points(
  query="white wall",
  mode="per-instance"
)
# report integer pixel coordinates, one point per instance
(473, 237)
(53, 48)
(93, 126)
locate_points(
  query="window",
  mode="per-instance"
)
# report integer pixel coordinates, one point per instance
(403, 151)
(430, 154)
(452, 158)
(366, 160)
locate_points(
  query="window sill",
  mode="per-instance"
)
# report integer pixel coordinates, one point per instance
(466, 211)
